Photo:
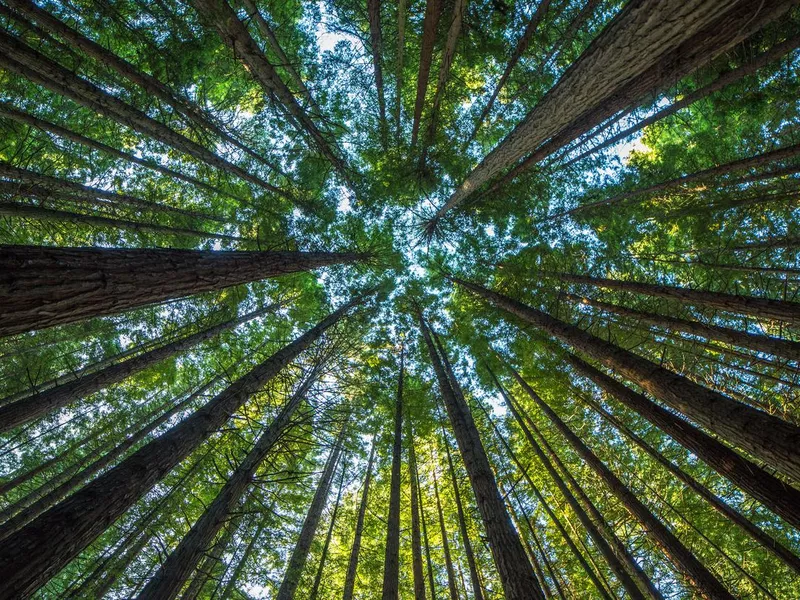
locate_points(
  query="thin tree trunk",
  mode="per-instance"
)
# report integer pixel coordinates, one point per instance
(702, 579)
(231, 585)
(399, 80)
(645, 48)
(416, 547)
(355, 550)
(767, 437)
(376, 45)
(762, 308)
(520, 49)
(148, 83)
(433, 12)
(328, 537)
(43, 403)
(758, 343)
(39, 550)
(448, 561)
(297, 562)
(789, 242)
(19, 58)
(513, 566)
(41, 286)
(391, 562)
(423, 520)
(213, 557)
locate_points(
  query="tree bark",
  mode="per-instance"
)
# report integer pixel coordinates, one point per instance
(297, 562)
(211, 559)
(391, 562)
(433, 12)
(448, 561)
(355, 550)
(758, 343)
(32, 555)
(423, 522)
(513, 566)
(42, 287)
(376, 45)
(701, 578)
(399, 80)
(767, 437)
(416, 545)
(646, 47)
(328, 537)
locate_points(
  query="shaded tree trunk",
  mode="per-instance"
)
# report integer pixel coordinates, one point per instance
(376, 45)
(355, 550)
(212, 559)
(32, 555)
(758, 343)
(433, 12)
(328, 537)
(423, 522)
(513, 566)
(448, 561)
(227, 591)
(416, 546)
(297, 562)
(42, 287)
(767, 437)
(47, 401)
(391, 562)
(646, 47)
(704, 581)
(399, 79)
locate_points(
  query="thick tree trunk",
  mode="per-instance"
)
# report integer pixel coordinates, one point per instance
(31, 556)
(520, 49)
(448, 561)
(19, 58)
(752, 341)
(433, 12)
(297, 562)
(513, 566)
(767, 437)
(648, 46)
(701, 578)
(355, 550)
(391, 561)
(761, 308)
(780, 498)
(41, 404)
(328, 537)
(416, 545)
(42, 287)
(147, 82)
(376, 45)
(235, 35)
(399, 80)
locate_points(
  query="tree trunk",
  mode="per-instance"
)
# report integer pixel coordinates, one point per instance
(433, 12)
(391, 562)
(32, 555)
(448, 561)
(355, 550)
(212, 558)
(767, 437)
(717, 503)
(148, 83)
(401, 47)
(297, 562)
(513, 566)
(41, 404)
(789, 242)
(752, 341)
(761, 308)
(423, 520)
(416, 546)
(376, 45)
(328, 537)
(646, 47)
(42, 287)
(19, 58)
(780, 498)
(701, 578)
(231, 585)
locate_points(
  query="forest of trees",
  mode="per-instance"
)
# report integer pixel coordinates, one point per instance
(352, 299)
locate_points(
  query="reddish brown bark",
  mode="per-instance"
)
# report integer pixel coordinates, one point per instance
(376, 45)
(433, 11)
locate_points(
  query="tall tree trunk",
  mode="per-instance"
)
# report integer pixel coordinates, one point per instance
(433, 12)
(761, 308)
(148, 83)
(212, 558)
(780, 498)
(235, 35)
(646, 47)
(767, 437)
(391, 562)
(328, 537)
(686, 562)
(29, 557)
(752, 341)
(19, 58)
(424, 523)
(355, 550)
(297, 562)
(520, 49)
(227, 591)
(401, 48)
(513, 566)
(416, 546)
(448, 561)
(42, 287)
(376, 45)
(45, 402)
(789, 242)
